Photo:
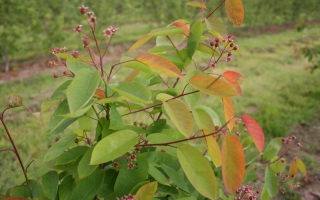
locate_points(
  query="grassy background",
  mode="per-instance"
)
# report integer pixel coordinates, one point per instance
(277, 92)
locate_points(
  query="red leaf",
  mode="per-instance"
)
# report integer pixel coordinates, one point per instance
(100, 93)
(232, 76)
(255, 131)
(182, 26)
(233, 163)
(235, 11)
(228, 111)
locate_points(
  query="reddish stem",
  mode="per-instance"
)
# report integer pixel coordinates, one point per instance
(16, 152)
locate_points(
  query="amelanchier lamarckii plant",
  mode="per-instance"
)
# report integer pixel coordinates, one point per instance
(146, 134)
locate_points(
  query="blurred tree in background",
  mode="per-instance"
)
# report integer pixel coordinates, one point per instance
(31, 26)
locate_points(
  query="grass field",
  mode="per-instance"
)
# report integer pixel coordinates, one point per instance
(277, 92)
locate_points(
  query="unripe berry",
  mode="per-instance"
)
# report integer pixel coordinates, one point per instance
(75, 54)
(236, 47)
(83, 9)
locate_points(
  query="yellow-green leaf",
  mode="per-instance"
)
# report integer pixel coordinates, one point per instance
(147, 191)
(213, 150)
(196, 4)
(140, 42)
(198, 170)
(212, 86)
(160, 64)
(180, 116)
(301, 166)
(233, 163)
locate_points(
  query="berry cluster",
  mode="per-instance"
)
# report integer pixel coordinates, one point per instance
(125, 197)
(246, 192)
(141, 125)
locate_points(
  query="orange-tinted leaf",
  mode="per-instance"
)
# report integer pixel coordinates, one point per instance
(238, 90)
(160, 64)
(228, 111)
(235, 11)
(100, 93)
(182, 26)
(255, 131)
(213, 150)
(196, 4)
(232, 76)
(140, 42)
(301, 166)
(147, 191)
(233, 163)
(212, 86)
(293, 169)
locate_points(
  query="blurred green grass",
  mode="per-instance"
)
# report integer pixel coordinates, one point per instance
(277, 92)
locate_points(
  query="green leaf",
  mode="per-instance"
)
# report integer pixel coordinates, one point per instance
(147, 191)
(215, 24)
(198, 170)
(50, 184)
(116, 122)
(272, 149)
(82, 88)
(71, 155)
(214, 116)
(19, 192)
(176, 177)
(212, 86)
(271, 182)
(166, 31)
(157, 126)
(158, 176)
(277, 166)
(203, 120)
(233, 163)
(57, 122)
(113, 146)
(191, 99)
(127, 179)
(84, 167)
(76, 66)
(160, 64)
(134, 91)
(88, 187)
(194, 38)
(66, 187)
(111, 100)
(139, 66)
(59, 147)
(180, 116)
(107, 190)
(160, 49)
(264, 194)
(56, 97)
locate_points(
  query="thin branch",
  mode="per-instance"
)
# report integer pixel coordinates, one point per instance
(186, 139)
(159, 104)
(215, 9)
